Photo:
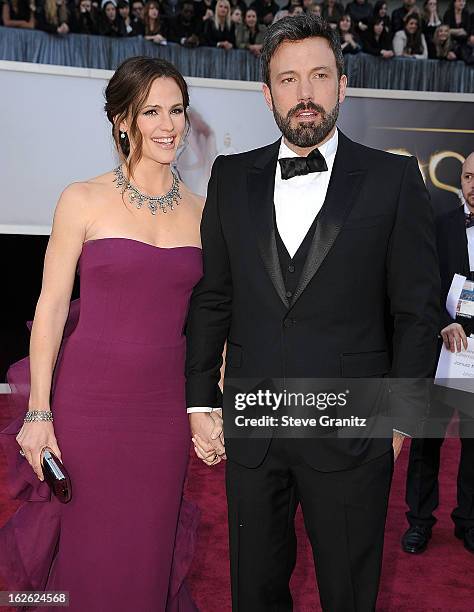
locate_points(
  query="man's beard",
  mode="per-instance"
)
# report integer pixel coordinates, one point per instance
(466, 201)
(307, 134)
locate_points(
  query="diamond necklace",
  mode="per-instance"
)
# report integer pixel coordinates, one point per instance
(135, 196)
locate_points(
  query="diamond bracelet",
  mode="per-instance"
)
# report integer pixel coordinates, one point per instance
(38, 415)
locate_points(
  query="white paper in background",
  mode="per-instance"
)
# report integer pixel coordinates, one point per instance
(466, 301)
(454, 294)
(456, 370)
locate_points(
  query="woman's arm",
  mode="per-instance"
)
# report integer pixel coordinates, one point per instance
(62, 254)
(399, 42)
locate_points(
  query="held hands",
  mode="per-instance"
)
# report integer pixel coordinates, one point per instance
(33, 437)
(208, 436)
(454, 337)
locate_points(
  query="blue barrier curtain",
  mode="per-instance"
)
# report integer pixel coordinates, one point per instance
(101, 52)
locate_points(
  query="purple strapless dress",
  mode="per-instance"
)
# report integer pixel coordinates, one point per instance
(125, 541)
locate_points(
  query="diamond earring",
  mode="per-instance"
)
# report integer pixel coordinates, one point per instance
(123, 134)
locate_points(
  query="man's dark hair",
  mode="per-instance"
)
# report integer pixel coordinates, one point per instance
(294, 29)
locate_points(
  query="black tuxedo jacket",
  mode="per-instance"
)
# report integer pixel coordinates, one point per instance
(373, 254)
(453, 256)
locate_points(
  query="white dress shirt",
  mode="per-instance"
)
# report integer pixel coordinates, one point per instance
(470, 238)
(299, 199)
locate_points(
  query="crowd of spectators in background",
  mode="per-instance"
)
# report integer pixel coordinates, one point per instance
(411, 30)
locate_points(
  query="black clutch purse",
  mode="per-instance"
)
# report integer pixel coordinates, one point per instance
(55, 474)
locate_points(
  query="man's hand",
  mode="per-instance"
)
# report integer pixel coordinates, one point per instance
(454, 337)
(397, 443)
(206, 428)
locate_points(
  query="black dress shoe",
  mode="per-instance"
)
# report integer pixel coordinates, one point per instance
(415, 539)
(467, 535)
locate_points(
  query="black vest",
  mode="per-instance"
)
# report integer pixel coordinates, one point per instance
(292, 267)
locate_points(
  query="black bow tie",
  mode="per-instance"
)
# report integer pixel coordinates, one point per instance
(469, 218)
(298, 166)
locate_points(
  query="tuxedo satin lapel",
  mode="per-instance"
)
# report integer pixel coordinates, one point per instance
(261, 185)
(341, 194)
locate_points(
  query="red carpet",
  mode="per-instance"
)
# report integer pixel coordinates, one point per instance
(442, 579)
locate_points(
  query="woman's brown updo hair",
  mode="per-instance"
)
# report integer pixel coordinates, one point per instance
(125, 95)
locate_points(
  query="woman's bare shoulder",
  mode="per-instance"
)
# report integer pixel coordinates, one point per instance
(89, 189)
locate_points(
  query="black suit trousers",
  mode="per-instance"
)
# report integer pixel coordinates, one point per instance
(344, 515)
(422, 486)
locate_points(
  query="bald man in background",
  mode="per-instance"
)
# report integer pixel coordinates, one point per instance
(455, 242)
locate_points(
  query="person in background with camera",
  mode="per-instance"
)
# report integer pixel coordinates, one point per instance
(455, 240)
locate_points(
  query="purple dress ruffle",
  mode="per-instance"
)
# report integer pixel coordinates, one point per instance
(31, 538)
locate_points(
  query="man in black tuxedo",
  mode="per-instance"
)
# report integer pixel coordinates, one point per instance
(319, 263)
(455, 240)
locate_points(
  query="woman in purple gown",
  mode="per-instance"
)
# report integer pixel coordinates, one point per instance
(110, 372)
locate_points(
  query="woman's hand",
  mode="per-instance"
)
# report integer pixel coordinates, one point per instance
(33, 437)
(208, 437)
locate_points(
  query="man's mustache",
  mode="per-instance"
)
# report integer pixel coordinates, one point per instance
(302, 107)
